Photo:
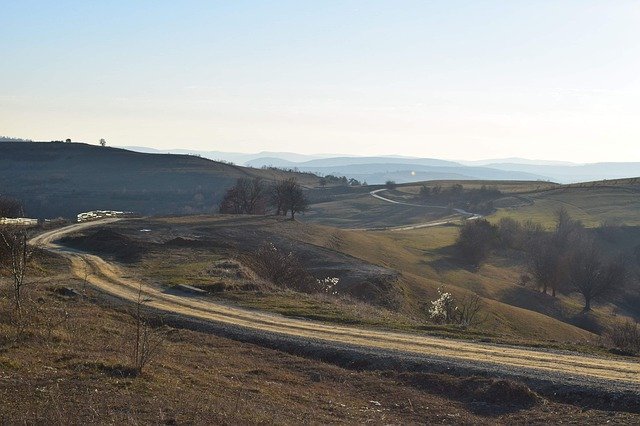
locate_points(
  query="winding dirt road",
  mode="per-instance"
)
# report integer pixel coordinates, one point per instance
(467, 215)
(572, 369)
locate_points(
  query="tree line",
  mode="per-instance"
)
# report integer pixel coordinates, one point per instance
(564, 259)
(256, 196)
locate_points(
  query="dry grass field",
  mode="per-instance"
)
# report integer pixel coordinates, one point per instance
(72, 366)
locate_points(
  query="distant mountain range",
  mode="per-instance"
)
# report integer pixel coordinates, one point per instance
(377, 170)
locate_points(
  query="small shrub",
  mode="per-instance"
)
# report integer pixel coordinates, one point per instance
(446, 310)
(281, 268)
(625, 336)
(443, 310)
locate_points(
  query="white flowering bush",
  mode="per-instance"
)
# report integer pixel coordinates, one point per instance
(443, 310)
(328, 285)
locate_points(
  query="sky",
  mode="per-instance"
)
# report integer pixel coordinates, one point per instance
(468, 80)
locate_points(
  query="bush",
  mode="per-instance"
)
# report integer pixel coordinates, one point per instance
(443, 310)
(446, 310)
(281, 268)
(625, 336)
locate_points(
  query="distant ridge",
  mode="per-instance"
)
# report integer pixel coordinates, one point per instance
(63, 179)
(403, 169)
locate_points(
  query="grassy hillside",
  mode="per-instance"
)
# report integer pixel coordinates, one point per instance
(387, 279)
(60, 179)
(613, 201)
(427, 261)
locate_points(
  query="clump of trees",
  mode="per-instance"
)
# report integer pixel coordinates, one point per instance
(563, 259)
(339, 181)
(247, 196)
(255, 196)
(476, 240)
(288, 198)
(479, 200)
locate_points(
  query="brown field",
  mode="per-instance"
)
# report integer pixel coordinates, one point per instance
(77, 372)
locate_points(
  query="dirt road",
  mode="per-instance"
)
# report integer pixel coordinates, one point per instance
(559, 367)
(467, 215)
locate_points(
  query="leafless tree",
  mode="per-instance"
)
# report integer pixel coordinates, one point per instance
(102, 142)
(548, 253)
(470, 311)
(592, 277)
(148, 341)
(543, 262)
(256, 196)
(15, 254)
(287, 196)
(247, 196)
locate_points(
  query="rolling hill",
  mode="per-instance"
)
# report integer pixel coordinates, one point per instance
(63, 179)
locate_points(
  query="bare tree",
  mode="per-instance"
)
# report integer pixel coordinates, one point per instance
(147, 340)
(256, 196)
(102, 142)
(592, 277)
(470, 311)
(287, 196)
(543, 262)
(247, 196)
(15, 254)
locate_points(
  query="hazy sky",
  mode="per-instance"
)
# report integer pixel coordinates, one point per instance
(557, 79)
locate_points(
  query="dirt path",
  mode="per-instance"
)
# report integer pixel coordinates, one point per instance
(469, 215)
(620, 375)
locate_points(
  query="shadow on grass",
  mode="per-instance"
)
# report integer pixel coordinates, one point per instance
(447, 259)
(550, 306)
(483, 396)
(112, 370)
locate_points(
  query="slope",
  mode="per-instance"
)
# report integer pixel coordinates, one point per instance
(63, 179)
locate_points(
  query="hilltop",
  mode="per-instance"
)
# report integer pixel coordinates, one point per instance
(63, 179)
